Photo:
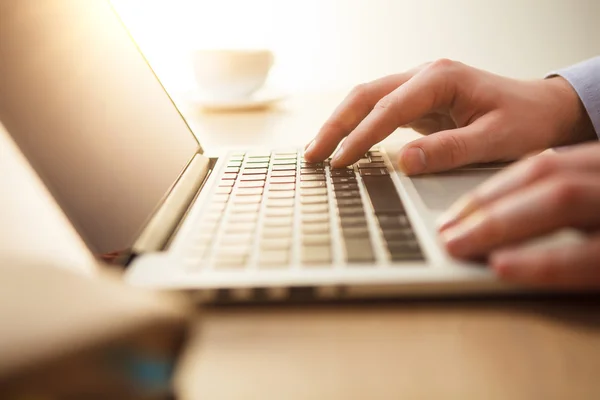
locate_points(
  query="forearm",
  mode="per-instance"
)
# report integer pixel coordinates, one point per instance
(584, 79)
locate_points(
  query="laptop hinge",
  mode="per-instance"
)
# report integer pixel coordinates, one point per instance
(166, 219)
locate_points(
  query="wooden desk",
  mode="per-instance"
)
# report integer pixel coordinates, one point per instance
(479, 349)
(417, 350)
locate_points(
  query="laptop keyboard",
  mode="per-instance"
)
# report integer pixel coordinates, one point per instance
(274, 209)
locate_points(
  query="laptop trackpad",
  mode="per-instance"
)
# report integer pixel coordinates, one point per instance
(439, 191)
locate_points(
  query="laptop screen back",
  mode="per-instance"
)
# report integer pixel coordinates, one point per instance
(89, 114)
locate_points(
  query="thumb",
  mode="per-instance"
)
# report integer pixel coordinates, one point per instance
(446, 150)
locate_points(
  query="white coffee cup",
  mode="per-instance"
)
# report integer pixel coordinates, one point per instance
(227, 74)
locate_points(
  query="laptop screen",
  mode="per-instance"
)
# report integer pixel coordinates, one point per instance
(89, 114)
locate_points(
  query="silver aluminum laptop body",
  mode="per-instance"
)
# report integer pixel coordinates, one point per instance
(81, 102)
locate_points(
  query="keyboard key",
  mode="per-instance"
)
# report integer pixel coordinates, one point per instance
(283, 179)
(393, 221)
(407, 257)
(282, 186)
(284, 173)
(240, 218)
(258, 160)
(226, 182)
(223, 190)
(340, 187)
(284, 156)
(376, 159)
(315, 218)
(341, 172)
(312, 171)
(312, 165)
(316, 254)
(398, 235)
(312, 177)
(234, 163)
(404, 250)
(315, 239)
(363, 165)
(279, 212)
(254, 171)
(247, 199)
(358, 250)
(280, 202)
(251, 184)
(284, 194)
(314, 199)
(276, 243)
(254, 165)
(278, 221)
(355, 231)
(237, 238)
(273, 258)
(321, 227)
(245, 208)
(375, 153)
(239, 227)
(349, 202)
(348, 221)
(343, 179)
(383, 194)
(405, 246)
(314, 208)
(250, 191)
(313, 191)
(232, 170)
(351, 212)
(313, 184)
(217, 207)
(347, 194)
(220, 198)
(259, 177)
(373, 172)
(285, 162)
(229, 175)
(284, 167)
(277, 232)
(236, 157)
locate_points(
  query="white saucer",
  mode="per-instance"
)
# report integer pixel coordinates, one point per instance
(262, 98)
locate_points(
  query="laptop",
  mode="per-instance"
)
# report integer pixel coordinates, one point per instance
(86, 109)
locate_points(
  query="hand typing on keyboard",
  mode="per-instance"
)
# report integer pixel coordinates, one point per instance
(472, 116)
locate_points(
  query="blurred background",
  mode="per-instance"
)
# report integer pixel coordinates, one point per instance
(323, 45)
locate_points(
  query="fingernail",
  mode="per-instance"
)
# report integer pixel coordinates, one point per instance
(337, 157)
(413, 161)
(460, 209)
(308, 148)
(459, 240)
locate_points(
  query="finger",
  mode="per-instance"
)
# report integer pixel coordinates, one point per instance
(574, 265)
(557, 202)
(448, 149)
(353, 109)
(521, 175)
(432, 123)
(429, 89)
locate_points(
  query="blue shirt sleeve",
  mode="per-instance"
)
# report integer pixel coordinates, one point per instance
(585, 79)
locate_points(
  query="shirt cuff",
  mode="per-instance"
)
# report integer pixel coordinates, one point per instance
(585, 79)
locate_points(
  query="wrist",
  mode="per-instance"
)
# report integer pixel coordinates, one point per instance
(572, 123)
